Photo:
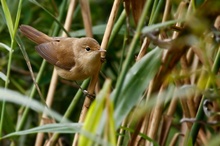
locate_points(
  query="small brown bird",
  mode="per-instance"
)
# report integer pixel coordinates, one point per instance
(73, 58)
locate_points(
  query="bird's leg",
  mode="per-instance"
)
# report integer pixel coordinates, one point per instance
(85, 92)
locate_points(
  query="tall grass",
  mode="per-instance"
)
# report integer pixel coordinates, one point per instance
(159, 84)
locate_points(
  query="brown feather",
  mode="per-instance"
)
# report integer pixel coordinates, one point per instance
(65, 53)
(73, 58)
(34, 35)
(58, 53)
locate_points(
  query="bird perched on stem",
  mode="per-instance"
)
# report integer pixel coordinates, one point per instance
(73, 58)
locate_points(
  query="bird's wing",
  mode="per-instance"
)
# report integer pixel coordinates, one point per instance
(58, 52)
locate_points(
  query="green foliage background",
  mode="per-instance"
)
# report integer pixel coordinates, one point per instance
(125, 102)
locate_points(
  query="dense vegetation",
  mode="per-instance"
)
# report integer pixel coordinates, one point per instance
(159, 83)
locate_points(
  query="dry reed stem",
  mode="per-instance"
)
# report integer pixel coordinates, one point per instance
(197, 98)
(156, 116)
(141, 128)
(87, 21)
(168, 121)
(172, 107)
(137, 8)
(170, 59)
(189, 100)
(175, 138)
(146, 42)
(166, 10)
(86, 105)
(188, 104)
(201, 55)
(135, 140)
(181, 10)
(202, 135)
(166, 125)
(85, 10)
(49, 100)
(109, 26)
(53, 83)
(148, 118)
(143, 50)
(151, 85)
(122, 132)
(94, 80)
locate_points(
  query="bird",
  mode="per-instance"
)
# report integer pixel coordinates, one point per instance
(73, 58)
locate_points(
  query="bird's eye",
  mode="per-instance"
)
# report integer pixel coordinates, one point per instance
(88, 48)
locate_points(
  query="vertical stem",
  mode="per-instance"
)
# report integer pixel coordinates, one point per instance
(109, 26)
(12, 34)
(200, 113)
(86, 17)
(70, 109)
(6, 86)
(93, 82)
(53, 83)
(131, 50)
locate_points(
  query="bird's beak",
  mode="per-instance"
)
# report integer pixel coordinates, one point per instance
(101, 50)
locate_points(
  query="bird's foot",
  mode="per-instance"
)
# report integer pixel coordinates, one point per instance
(87, 94)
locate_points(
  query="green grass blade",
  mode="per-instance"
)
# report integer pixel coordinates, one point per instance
(17, 18)
(131, 50)
(8, 17)
(92, 121)
(150, 28)
(17, 98)
(3, 76)
(110, 125)
(138, 77)
(6, 47)
(53, 128)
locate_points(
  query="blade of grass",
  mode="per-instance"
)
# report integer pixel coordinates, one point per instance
(54, 127)
(138, 76)
(12, 32)
(22, 120)
(94, 79)
(8, 18)
(15, 97)
(97, 107)
(21, 46)
(6, 47)
(131, 52)
(17, 18)
(151, 28)
(70, 108)
(3, 76)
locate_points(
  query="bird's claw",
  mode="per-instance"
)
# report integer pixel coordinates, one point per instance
(87, 94)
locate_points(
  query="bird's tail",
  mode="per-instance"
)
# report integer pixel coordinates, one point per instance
(34, 35)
